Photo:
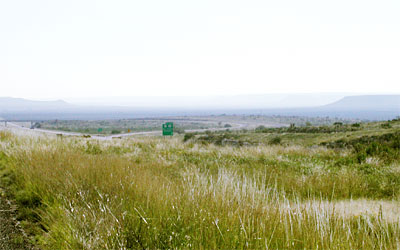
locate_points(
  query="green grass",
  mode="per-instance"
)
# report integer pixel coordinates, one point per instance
(150, 192)
(304, 136)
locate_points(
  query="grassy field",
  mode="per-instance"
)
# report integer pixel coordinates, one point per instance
(335, 188)
(181, 123)
(299, 135)
(126, 125)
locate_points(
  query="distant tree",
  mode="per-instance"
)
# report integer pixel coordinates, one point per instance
(227, 125)
(260, 128)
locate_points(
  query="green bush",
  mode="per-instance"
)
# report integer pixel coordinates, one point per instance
(93, 149)
(275, 140)
(27, 198)
(386, 147)
(308, 129)
(260, 129)
(188, 136)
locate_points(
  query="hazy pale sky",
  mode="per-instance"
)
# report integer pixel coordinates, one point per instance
(56, 49)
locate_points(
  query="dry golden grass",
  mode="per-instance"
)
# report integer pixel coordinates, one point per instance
(161, 193)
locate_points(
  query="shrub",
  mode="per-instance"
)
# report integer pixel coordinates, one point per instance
(275, 140)
(188, 136)
(27, 198)
(260, 129)
(386, 146)
(93, 149)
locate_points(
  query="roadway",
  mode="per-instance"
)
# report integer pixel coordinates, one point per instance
(235, 126)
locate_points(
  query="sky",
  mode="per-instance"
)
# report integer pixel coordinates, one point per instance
(84, 48)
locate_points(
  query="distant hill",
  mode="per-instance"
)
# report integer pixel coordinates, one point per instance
(367, 102)
(368, 107)
(9, 104)
(255, 101)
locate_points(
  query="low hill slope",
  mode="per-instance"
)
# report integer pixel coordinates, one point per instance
(367, 102)
(19, 104)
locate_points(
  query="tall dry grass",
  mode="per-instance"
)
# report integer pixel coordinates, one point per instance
(160, 193)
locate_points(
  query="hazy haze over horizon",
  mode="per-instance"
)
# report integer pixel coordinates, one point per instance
(220, 101)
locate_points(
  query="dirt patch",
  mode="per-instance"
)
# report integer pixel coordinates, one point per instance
(388, 210)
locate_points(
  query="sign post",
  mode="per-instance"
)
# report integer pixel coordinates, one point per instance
(168, 129)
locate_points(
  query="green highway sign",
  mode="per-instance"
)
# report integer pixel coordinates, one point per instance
(168, 128)
(100, 130)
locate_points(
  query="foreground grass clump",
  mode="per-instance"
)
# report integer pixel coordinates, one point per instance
(161, 193)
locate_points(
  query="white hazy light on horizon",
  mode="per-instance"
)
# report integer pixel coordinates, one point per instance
(55, 49)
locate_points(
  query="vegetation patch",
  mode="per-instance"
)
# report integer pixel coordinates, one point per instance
(386, 146)
(208, 192)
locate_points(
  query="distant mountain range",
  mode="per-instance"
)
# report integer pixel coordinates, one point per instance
(9, 104)
(367, 102)
(254, 101)
(371, 107)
